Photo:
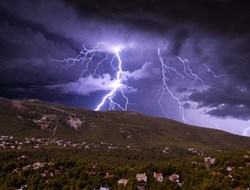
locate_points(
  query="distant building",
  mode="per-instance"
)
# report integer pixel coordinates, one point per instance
(209, 160)
(104, 188)
(123, 182)
(37, 165)
(91, 173)
(229, 168)
(158, 176)
(248, 164)
(174, 178)
(26, 168)
(109, 176)
(140, 188)
(141, 177)
(246, 156)
(45, 174)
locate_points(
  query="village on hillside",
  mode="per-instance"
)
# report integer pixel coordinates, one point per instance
(49, 170)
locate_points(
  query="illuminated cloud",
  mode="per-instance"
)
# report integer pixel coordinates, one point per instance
(146, 71)
(85, 86)
(34, 33)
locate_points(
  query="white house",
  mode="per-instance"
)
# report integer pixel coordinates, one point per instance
(209, 160)
(141, 177)
(229, 168)
(123, 182)
(158, 176)
(174, 178)
(104, 188)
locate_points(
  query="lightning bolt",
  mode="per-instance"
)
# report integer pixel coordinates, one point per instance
(165, 88)
(86, 57)
(246, 130)
(189, 72)
(212, 72)
(117, 86)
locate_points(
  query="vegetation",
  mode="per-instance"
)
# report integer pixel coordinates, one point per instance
(44, 146)
(67, 168)
(34, 118)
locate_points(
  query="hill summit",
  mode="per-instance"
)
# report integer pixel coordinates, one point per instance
(34, 118)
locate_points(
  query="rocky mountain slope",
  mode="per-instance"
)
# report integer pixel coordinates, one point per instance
(33, 118)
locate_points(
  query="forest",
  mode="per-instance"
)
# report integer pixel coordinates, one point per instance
(71, 168)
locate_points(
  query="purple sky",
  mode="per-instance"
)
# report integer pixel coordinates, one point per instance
(213, 36)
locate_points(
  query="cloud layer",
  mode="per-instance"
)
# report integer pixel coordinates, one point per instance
(213, 35)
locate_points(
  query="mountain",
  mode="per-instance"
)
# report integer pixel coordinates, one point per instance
(34, 118)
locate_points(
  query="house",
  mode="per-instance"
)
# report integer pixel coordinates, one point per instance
(140, 188)
(194, 163)
(50, 164)
(206, 159)
(108, 176)
(22, 187)
(229, 168)
(26, 168)
(92, 173)
(192, 150)
(23, 157)
(57, 172)
(17, 171)
(209, 160)
(212, 161)
(246, 156)
(45, 174)
(141, 177)
(215, 173)
(94, 165)
(104, 188)
(123, 182)
(158, 176)
(174, 178)
(38, 165)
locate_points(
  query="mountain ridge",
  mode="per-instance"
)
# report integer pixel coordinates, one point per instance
(40, 119)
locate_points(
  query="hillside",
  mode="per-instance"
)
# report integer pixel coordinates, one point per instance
(33, 118)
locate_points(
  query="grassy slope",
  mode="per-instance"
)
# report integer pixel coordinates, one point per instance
(124, 128)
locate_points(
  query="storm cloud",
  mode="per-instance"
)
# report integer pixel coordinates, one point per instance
(212, 35)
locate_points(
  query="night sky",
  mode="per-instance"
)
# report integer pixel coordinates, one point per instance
(204, 45)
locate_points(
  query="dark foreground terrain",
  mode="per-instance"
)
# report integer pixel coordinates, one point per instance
(95, 168)
(44, 146)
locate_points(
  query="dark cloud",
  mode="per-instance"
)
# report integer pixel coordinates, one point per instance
(181, 89)
(27, 48)
(212, 35)
(233, 102)
(228, 111)
(220, 15)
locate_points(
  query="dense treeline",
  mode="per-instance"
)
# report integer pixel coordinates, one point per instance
(54, 168)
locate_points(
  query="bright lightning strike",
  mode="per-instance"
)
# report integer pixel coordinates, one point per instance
(212, 72)
(117, 86)
(189, 72)
(246, 131)
(165, 88)
(86, 57)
